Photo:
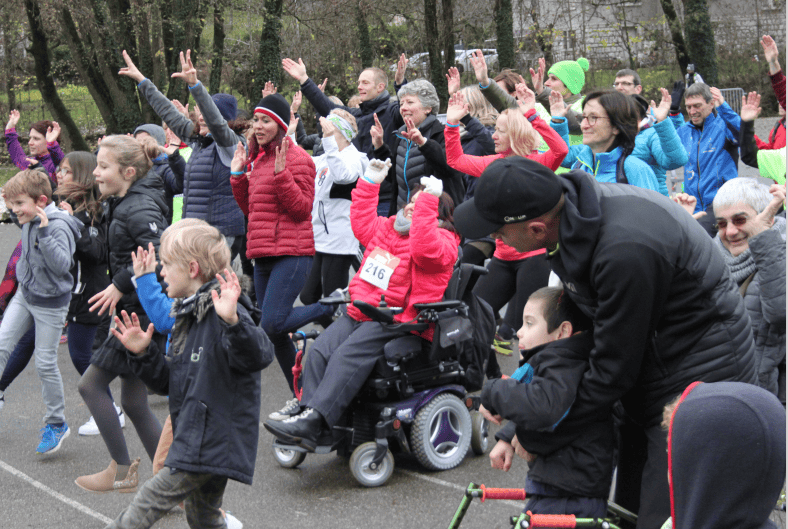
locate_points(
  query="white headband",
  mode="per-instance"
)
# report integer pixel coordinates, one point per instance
(343, 125)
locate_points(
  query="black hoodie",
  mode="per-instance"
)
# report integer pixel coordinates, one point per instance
(726, 452)
(664, 307)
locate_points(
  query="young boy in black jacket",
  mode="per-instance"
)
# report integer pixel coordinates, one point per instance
(212, 376)
(555, 341)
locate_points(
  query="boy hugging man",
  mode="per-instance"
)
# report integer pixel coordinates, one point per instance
(570, 469)
(43, 271)
(211, 374)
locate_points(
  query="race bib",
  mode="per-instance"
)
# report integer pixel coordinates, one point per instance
(378, 268)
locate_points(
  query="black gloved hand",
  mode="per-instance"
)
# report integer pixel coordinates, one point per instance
(676, 96)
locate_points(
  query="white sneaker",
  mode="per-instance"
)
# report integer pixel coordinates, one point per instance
(292, 407)
(232, 522)
(90, 427)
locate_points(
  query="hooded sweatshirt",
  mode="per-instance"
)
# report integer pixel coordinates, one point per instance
(726, 457)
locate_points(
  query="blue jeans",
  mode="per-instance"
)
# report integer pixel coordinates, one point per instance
(19, 317)
(277, 283)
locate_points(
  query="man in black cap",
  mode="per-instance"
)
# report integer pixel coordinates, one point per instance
(666, 312)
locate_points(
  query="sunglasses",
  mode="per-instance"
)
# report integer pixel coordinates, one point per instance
(738, 221)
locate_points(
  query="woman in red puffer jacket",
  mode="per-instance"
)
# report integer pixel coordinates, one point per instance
(275, 188)
(409, 258)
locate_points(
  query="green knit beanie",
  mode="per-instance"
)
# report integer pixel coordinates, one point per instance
(571, 73)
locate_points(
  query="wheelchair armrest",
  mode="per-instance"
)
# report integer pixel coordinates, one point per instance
(438, 305)
(382, 315)
(336, 298)
(479, 270)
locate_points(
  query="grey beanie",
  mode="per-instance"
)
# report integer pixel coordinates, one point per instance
(155, 131)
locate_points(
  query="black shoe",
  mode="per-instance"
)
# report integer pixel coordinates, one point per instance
(303, 429)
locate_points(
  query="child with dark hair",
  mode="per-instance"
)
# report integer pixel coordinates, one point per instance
(555, 341)
(42, 144)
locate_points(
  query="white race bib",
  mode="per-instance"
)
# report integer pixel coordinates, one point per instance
(378, 268)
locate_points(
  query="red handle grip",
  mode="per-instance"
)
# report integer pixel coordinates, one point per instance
(502, 494)
(566, 521)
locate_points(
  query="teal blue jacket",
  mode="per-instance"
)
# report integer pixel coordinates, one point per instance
(660, 147)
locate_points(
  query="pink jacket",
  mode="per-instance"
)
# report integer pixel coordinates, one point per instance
(427, 255)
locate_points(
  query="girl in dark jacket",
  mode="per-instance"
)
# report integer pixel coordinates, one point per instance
(135, 217)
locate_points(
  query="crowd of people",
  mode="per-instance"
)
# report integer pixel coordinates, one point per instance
(624, 298)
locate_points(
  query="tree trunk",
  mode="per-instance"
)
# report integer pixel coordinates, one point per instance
(433, 43)
(449, 60)
(682, 56)
(39, 48)
(700, 36)
(141, 20)
(504, 31)
(363, 37)
(269, 64)
(8, 64)
(218, 48)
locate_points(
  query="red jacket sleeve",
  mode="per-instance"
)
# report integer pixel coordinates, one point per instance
(364, 219)
(295, 186)
(240, 187)
(558, 147)
(464, 163)
(431, 248)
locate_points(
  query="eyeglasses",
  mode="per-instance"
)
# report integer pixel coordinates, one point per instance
(622, 83)
(64, 171)
(592, 119)
(738, 221)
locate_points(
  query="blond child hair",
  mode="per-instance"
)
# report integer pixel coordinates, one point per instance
(30, 182)
(195, 240)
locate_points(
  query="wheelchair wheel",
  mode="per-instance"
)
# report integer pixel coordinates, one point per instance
(480, 433)
(359, 466)
(288, 458)
(441, 434)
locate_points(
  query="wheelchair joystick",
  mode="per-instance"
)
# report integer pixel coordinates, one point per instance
(382, 304)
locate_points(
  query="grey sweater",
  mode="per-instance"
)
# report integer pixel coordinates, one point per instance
(44, 269)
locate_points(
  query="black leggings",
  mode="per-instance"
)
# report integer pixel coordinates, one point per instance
(329, 272)
(134, 400)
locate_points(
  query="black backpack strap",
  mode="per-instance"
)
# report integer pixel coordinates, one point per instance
(621, 177)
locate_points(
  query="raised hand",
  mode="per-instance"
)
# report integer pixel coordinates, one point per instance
(322, 86)
(557, 107)
(750, 106)
(328, 127)
(688, 202)
(296, 104)
(765, 219)
(479, 66)
(772, 53)
(457, 109)
(281, 156)
(225, 302)
(13, 119)
(180, 108)
(376, 133)
(144, 261)
(238, 163)
(41, 214)
(537, 77)
(130, 334)
(53, 132)
(106, 300)
(131, 70)
(662, 110)
(716, 96)
(526, 99)
(413, 133)
(269, 89)
(432, 185)
(66, 207)
(296, 70)
(377, 170)
(188, 72)
(291, 127)
(402, 66)
(453, 78)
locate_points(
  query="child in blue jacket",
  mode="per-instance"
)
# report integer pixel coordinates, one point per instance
(212, 376)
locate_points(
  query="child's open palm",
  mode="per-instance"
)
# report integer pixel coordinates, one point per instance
(130, 334)
(226, 303)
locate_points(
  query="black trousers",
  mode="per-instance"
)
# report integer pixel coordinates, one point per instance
(329, 272)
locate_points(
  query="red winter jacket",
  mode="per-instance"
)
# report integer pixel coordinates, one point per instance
(427, 255)
(279, 206)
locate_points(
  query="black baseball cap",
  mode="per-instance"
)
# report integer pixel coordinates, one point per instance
(510, 190)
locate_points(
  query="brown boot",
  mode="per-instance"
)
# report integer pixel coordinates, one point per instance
(107, 480)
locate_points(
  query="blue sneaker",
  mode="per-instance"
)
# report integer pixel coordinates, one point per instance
(52, 437)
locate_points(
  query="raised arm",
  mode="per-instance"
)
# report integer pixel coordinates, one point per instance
(364, 220)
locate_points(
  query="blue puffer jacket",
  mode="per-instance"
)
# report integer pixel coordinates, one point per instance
(660, 147)
(713, 153)
(207, 193)
(603, 166)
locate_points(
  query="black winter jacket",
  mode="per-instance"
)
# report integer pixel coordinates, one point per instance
(90, 271)
(135, 219)
(212, 376)
(665, 310)
(172, 184)
(584, 467)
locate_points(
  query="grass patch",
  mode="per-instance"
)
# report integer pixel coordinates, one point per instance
(6, 172)
(77, 99)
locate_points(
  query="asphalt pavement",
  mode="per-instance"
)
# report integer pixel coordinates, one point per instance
(39, 491)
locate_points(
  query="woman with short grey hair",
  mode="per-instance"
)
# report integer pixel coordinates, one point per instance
(421, 149)
(752, 241)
